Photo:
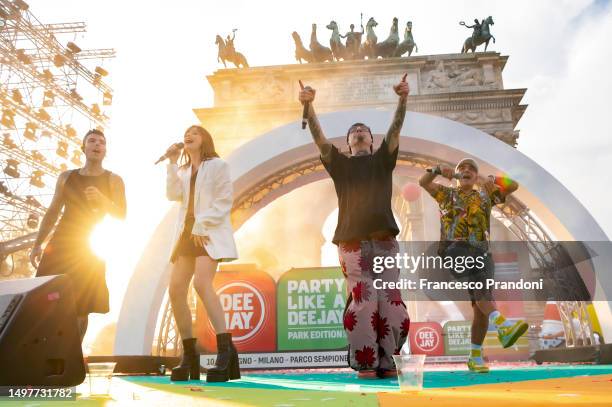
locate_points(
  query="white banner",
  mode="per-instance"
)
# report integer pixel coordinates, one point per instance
(297, 360)
(336, 358)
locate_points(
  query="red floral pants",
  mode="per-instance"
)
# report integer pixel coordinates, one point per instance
(375, 320)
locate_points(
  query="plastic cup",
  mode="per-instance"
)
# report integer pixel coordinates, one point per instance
(100, 375)
(409, 371)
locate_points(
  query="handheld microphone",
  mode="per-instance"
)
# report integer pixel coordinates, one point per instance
(305, 110)
(437, 171)
(178, 146)
(305, 115)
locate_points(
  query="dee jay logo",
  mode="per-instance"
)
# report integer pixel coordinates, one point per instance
(244, 309)
(426, 338)
(248, 300)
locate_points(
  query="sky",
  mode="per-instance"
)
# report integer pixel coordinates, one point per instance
(558, 50)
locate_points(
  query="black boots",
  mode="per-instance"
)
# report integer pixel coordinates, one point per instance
(190, 364)
(227, 366)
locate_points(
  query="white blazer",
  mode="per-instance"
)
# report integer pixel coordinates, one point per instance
(212, 205)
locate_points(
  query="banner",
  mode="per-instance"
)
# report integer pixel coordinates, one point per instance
(298, 321)
(457, 338)
(426, 339)
(310, 309)
(248, 299)
(276, 360)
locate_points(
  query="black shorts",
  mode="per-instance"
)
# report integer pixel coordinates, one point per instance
(474, 274)
(185, 246)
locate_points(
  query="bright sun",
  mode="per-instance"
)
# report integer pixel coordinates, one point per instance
(106, 238)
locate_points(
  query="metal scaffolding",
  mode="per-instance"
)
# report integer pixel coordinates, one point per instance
(48, 98)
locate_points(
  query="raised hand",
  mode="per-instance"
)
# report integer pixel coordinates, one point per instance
(447, 171)
(173, 153)
(307, 94)
(402, 89)
(489, 184)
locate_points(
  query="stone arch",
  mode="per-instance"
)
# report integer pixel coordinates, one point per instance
(285, 158)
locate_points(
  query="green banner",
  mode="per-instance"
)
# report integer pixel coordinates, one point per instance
(457, 337)
(310, 307)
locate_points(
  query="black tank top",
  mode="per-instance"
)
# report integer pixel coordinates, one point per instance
(190, 215)
(80, 216)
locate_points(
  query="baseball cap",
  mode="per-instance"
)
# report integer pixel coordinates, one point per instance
(469, 161)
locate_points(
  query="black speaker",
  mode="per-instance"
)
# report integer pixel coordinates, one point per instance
(39, 337)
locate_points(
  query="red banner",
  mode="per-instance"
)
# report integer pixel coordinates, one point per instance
(248, 299)
(426, 339)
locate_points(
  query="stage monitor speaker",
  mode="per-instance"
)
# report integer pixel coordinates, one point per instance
(39, 338)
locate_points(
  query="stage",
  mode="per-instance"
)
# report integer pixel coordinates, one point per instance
(506, 385)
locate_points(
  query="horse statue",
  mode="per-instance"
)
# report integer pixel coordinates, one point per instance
(369, 46)
(320, 53)
(301, 52)
(228, 53)
(387, 48)
(480, 35)
(408, 44)
(222, 52)
(338, 49)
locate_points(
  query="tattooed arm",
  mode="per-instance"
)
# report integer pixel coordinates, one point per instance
(392, 138)
(307, 95)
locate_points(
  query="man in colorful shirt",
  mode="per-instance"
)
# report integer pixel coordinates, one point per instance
(465, 220)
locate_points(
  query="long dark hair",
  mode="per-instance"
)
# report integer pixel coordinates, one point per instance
(207, 149)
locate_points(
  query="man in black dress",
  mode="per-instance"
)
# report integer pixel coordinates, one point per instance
(86, 195)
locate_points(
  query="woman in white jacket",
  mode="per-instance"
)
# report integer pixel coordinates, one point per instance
(204, 237)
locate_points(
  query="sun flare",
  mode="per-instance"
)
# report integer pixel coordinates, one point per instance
(106, 238)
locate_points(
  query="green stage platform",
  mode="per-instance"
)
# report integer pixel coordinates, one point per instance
(307, 388)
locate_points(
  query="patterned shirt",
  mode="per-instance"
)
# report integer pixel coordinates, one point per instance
(466, 215)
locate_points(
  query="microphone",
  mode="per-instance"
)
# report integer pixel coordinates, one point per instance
(305, 115)
(437, 171)
(178, 146)
(305, 110)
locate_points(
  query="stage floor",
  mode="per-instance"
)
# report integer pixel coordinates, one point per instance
(514, 385)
